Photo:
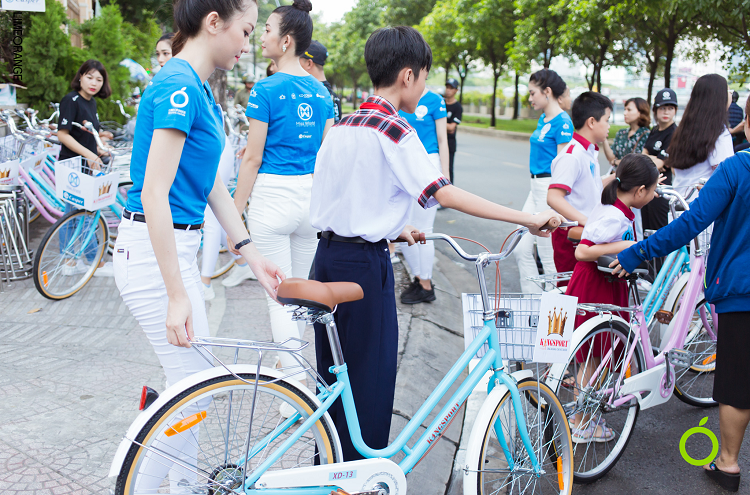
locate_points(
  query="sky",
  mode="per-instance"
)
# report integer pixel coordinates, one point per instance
(332, 10)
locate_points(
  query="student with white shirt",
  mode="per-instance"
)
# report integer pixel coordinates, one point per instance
(576, 184)
(702, 141)
(609, 230)
(367, 176)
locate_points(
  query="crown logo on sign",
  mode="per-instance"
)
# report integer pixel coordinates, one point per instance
(104, 189)
(4, 174)
(556, 322)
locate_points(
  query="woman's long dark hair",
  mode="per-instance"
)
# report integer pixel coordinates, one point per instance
(635, 170)
(704, 120)
(188, 15)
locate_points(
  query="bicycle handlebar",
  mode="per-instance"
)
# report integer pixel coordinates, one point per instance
(669, 191)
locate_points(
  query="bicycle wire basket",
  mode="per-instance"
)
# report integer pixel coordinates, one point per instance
(516, 319)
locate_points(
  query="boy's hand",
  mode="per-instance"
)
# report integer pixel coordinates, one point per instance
(409, 235)
(543, 224)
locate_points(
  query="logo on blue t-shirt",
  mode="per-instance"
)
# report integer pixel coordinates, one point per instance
(544, 131)
(305, 111)
(185, 99)
(420, 112)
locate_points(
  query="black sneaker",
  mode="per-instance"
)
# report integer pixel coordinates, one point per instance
(412, 287)
(419, 295)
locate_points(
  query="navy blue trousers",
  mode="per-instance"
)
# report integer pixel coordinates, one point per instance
(368, 331)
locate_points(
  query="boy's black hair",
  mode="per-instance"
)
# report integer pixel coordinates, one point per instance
(589, 104)
(390, 49)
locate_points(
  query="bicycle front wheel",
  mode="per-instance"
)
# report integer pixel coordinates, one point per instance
(550, 440)
(196, 443)
(694, 385)
(69, 254)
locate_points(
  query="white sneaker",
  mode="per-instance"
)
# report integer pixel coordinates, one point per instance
(237, 275)
(106, 270)
(286, 410)
(79, 267)
(395, 259)
(208, 292)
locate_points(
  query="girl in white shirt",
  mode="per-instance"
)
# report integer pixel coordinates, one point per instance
(702, 140)
(609, 230)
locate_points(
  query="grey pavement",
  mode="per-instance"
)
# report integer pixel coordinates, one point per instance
(71, 373)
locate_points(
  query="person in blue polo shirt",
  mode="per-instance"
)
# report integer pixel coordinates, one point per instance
(178, 141)
(553, 131)
(289, 115)
(430, 120)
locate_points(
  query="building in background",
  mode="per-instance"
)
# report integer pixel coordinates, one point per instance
(79, 11)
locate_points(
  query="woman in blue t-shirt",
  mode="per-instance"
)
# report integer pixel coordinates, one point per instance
(430, 120)
(290, 114)
(553, 131)
(176, 149)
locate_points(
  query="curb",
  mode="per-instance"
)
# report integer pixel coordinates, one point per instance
(495, 133)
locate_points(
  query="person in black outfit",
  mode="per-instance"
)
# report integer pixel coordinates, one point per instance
(313, 61)
(655, 214)
(80, 106)
(455, 113)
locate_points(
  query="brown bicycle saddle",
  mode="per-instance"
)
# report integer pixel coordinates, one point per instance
(574, 234)
(318, 295)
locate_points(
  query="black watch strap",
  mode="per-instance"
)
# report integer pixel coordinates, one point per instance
(242, 243)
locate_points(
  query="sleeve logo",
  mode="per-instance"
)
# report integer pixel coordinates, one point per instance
(253, 93)
(64, 121)
(544, 131)
(184, 95)
(305, 111)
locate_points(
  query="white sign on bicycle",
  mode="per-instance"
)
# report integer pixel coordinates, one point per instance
(9, 173)
(557, 315)
(27, 5)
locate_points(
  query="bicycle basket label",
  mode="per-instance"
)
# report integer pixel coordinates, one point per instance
(74, 180)
(72, 198)
(555, 328)
(342, 475)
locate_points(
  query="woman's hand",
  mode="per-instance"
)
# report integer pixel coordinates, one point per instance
(106, 135)
(617, 268)
(241, 152)
(180, 321)
(543, 224)
(269, 275)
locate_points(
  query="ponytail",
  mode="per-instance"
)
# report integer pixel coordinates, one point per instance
(634, 171)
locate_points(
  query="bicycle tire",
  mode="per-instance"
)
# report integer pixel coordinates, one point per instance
(221, 392)
(45, 270)
(621, 424)
(694, 385)
(113, 220)
(550, 436)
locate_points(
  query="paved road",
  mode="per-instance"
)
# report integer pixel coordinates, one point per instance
(497, 169)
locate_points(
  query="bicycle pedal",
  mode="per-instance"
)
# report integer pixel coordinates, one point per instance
(664, 316)
(681, 357)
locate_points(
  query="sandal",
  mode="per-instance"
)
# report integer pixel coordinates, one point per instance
(589, 434)
(728, 481)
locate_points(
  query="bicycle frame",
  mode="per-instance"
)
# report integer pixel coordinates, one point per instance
(671, 269)
(491, 361)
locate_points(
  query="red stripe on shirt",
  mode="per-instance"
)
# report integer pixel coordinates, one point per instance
(430, 191)
(587, 242)
(561, 186)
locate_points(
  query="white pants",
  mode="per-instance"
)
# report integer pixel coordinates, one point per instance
(142, 289)
(213, 235)
(421, 257)
(279, 223)
(536, 202)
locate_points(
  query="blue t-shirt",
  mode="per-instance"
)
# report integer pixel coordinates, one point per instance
(545, 139)
(176, 98)
(296, 109)
(431, 108)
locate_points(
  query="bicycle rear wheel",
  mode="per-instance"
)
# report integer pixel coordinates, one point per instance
(550, 439)
(196, 442)
(65, 260)
(694, 385)
(113, 213)
(586, 394)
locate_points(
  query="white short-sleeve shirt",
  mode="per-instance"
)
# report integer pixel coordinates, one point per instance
(576, 171)
(723, 149)
(609, 223)
(369, 171)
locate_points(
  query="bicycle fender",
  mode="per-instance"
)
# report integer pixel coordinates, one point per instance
(558, 369)
(187, 382)
(482, 419)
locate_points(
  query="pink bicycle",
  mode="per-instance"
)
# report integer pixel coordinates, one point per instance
(613, 371)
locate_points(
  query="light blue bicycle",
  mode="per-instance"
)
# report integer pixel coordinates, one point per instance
(224, 430)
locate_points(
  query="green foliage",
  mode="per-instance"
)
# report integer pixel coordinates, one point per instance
(406, 12)
(143, 38)
(49, 60)
(137, 12)
(536, 32)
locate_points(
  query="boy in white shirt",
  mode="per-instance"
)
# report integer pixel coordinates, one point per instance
(369, 170)
(576, 186)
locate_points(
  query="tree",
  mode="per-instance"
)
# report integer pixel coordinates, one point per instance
(406, 12)
(594, 33)
(647, 46)
(536, 27)
(49, 60)
(137, 12)
(728, 22)
(490, 24)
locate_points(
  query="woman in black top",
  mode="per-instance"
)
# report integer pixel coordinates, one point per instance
(80, 106)
(655, 214)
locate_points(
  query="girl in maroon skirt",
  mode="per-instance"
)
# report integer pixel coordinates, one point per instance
(609, 230)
